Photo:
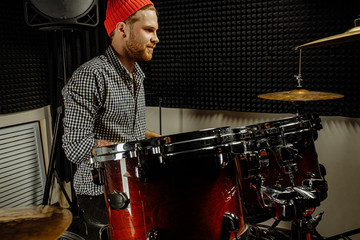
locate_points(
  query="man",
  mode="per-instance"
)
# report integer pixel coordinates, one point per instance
(104, 99)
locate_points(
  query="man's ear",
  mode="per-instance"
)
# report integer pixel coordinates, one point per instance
(120, 27)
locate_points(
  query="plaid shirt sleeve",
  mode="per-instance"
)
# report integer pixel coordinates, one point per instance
(82, 99)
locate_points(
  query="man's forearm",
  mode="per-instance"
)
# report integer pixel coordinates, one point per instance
(151, 134)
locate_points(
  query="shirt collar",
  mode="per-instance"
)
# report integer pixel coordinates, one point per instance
(138, 73)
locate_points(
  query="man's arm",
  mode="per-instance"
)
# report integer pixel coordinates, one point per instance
(151, 134)
(81, 102)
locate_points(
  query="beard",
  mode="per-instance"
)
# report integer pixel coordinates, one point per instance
(137, 50)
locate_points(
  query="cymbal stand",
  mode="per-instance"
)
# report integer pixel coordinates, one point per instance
(298, 77)
(299, 105)
(160, 116)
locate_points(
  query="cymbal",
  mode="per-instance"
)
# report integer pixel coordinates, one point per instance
(34, 222)
(350, 35)
(300, 95)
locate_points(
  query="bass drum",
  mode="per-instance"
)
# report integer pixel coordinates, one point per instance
(277, 160)
(180, 186)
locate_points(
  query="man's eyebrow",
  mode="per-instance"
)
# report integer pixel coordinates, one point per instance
(150, 26)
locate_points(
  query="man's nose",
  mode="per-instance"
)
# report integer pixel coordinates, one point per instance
(155, 38)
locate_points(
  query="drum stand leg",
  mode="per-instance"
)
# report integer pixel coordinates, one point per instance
(304, 229)
(298, 107)
(345, 235)
(273, 226)
(264, 232)
(52, 173)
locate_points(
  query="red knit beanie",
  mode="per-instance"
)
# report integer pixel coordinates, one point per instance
(120, 10)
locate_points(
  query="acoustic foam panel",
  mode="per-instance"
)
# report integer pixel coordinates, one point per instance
(222, 54)
(23, 62)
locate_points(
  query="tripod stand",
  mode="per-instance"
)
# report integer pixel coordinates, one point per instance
(52, 172)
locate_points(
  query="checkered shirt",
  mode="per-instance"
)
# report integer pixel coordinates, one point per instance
(100, 103)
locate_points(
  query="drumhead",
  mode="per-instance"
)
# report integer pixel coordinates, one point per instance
(127, 150)
(277, 127)
(205, 140)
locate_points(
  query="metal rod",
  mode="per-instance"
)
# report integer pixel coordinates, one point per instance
(344, 234)
(160, 117)
(300, 62)
(64, 57)
(298, 77)
(51, 168)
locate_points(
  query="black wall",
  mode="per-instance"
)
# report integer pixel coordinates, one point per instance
(23, 62)
(222, 54)
(212, 55)
(35, 63)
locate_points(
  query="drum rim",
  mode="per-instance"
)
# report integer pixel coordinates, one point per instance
(125, 147)
(251, 131)
(188, 136)
(204, 139)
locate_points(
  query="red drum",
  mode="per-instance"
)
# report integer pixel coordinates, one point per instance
(181, 186)
(280, 176)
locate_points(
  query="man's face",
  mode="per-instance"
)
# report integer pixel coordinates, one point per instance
(143, 37)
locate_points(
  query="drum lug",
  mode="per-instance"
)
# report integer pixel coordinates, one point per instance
(250, 162)
(263, 154)
(161, 160)
(154, 234)
(264, 158)
(264, 163)
(98, 176)
(220, 160)
(141, 173)
(290, 168)
(288, 155)
(310, 175)
(118, 200)
(230, 224)
(223, 160)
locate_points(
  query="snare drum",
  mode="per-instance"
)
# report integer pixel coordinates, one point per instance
(180, 186)
(277, 163)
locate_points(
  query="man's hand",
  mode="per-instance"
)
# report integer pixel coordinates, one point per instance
(103, 143)
(150, 134)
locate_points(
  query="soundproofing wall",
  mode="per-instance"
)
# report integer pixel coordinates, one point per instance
(212, 55)
(24, 82)
(219, 55)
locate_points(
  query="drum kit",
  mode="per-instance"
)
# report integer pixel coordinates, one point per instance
(220, 183)
(217, 183)
(213, 183)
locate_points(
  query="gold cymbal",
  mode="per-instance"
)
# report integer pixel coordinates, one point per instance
(350, 35)
(300, 95)
(34, 222)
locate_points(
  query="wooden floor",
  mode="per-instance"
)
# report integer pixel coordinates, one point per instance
(77, 231)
